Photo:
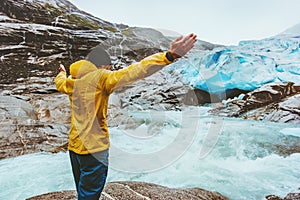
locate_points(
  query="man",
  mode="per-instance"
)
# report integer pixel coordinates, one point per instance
(89, 87)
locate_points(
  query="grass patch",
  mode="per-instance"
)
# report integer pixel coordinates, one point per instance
(72, 20)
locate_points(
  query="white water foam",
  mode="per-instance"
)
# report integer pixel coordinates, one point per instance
(242, 164)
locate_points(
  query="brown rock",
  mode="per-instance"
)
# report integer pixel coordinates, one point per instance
(139, 191)
(277, 102)
(23, 129)
(269, 93)
(273, 197)
(297, 88)
(67, 194)
(292, 196)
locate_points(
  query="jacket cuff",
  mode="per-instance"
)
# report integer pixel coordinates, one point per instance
(169, 56)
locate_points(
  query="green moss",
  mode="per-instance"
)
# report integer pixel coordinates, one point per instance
(53, 10)
(109, 28)
(128, 32)
(82, 22)
(72, 18)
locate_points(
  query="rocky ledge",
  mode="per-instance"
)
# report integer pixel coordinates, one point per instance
(139, 191)
(277, 102)
(290, 196)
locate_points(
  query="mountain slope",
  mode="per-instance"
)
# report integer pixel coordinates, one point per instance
(294, 30)
(37, 35)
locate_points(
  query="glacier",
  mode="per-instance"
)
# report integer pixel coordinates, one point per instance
(247, 66)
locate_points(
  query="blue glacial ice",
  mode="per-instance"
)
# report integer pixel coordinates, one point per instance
(247, 66)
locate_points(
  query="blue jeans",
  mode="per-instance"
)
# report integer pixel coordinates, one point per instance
(90, 172)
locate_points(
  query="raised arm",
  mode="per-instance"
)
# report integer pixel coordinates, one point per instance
(61, 80)
(149, 65)
(136, 71)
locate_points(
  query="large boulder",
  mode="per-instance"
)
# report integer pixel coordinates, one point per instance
(139, 191)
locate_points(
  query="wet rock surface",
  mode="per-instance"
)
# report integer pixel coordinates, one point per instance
(290, 196)
(36, 36)
(34, 118)
(277, 102)
(140, 190)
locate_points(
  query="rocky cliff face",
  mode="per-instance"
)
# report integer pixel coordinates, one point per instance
(36, 35)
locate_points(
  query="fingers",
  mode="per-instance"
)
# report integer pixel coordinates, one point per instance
(62, 68)
(190, 40)
(178, 39)
(187, 43)
(182, 39)
(182, 45)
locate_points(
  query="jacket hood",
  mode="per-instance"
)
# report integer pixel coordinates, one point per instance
(81, 68)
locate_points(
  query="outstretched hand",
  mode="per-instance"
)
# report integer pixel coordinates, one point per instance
(182, 45)
(62, 68)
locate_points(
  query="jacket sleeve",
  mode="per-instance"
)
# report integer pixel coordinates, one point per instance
(136, 71)
(61, 82)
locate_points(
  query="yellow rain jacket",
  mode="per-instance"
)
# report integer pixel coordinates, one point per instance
(89, 89)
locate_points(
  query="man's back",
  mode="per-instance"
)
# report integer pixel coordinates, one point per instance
(89, 93)
(89, 89)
